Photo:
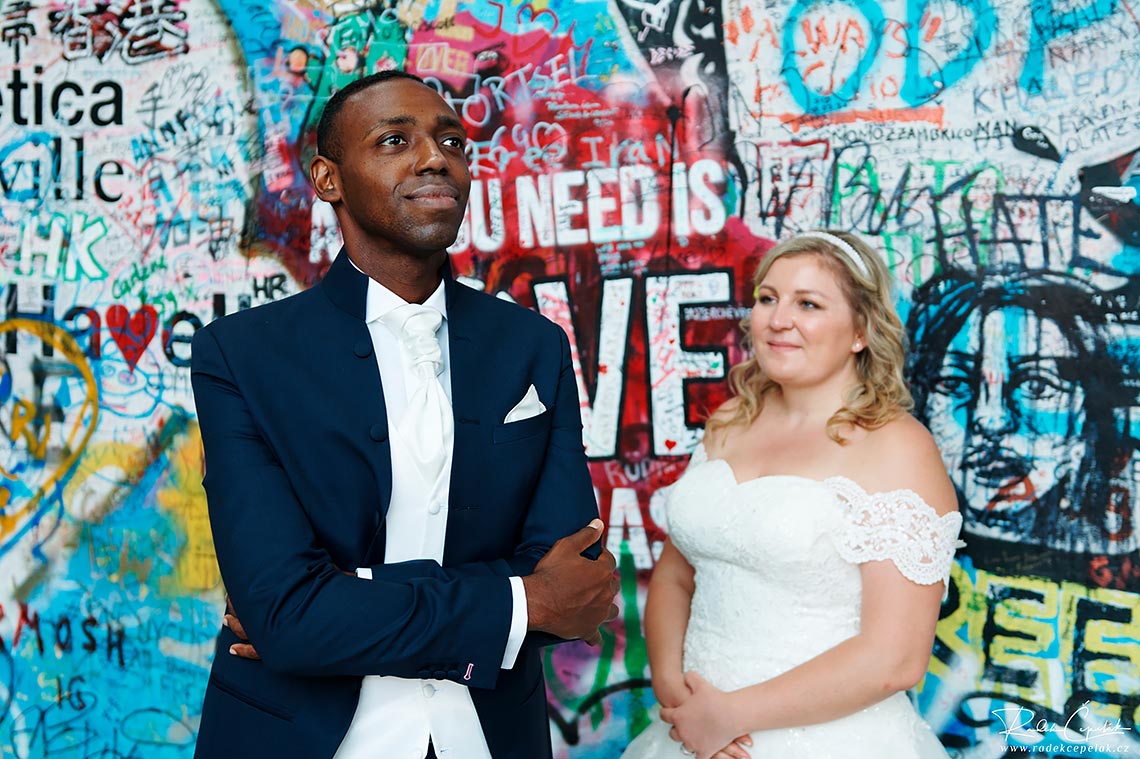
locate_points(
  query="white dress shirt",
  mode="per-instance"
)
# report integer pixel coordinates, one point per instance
(395, 716)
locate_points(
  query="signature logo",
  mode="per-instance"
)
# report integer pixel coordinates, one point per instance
(1079, 727)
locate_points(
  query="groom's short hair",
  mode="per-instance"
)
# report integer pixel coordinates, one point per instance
(328, 131)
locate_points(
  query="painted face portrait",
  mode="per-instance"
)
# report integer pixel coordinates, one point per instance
(1014, 379)
(1008, 410)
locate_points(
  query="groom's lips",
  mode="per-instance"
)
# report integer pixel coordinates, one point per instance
(437, 193)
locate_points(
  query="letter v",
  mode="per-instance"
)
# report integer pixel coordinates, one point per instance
(602, 417)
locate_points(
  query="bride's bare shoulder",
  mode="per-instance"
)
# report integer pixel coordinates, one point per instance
(902, 455)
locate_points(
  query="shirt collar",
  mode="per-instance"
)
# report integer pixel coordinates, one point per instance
(380, 300)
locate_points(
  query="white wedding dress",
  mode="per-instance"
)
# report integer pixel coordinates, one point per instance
(777, 583)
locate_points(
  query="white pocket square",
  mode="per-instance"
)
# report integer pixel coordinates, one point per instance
(529, 406)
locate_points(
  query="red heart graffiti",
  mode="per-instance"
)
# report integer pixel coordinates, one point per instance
(132, 332)
(546, 32)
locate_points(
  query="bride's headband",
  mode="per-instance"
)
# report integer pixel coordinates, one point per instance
(844, 248)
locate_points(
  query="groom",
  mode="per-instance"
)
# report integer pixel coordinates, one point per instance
(397, 486)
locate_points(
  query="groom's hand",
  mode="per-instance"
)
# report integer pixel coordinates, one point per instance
(244, 649)
(569, 595)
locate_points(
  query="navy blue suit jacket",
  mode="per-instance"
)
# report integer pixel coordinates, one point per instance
(298, 479)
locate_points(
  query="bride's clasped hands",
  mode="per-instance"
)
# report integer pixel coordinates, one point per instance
(704, 721)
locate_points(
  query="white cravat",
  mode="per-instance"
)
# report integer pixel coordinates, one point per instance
(395, 716)
(426, 424)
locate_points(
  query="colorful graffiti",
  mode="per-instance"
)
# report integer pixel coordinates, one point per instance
(632, 162)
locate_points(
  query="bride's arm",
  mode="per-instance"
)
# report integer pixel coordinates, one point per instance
(666, 620)
(889, 654)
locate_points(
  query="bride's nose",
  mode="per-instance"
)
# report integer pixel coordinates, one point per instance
(780, 317)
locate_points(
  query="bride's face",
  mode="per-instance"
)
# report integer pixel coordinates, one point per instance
(803, 328)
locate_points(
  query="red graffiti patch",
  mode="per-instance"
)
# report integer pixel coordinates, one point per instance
(132, 332)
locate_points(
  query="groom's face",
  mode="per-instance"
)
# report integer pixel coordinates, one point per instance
(402, 177)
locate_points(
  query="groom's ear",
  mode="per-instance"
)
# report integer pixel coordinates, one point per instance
(324, 175)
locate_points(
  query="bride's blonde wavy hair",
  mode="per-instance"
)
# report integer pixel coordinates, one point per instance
(882, 394)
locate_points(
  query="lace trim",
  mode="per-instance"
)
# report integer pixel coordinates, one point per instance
(900, 526)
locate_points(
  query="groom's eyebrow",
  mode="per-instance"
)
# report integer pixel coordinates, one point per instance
(441, 121)
(449, 121)
(390, 121)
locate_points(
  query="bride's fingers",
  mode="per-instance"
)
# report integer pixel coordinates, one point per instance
(732, 751)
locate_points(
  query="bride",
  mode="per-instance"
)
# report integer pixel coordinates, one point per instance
(810, 537)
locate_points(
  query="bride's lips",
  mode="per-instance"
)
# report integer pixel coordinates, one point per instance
(781, 347)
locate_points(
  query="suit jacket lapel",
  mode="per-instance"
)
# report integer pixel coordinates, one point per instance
(465, 337)
(347, 289)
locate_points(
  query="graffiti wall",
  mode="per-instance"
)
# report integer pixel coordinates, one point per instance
(632, 161)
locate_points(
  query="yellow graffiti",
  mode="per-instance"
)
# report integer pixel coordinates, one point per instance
(110, 469)
(1114, 644)
(24, 413)
(184, 498)
(958, 630)
(1028, 636)
(107, 468)
(450, 29)
(411, 15)
(1037, 626)
(104, 474)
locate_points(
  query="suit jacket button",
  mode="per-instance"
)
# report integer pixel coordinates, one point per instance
(378, 432)
(439, 674)
(362, 348)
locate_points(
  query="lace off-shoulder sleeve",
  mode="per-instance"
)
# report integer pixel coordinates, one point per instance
(900, 526)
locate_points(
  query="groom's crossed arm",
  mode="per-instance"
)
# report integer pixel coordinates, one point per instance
(308, 617)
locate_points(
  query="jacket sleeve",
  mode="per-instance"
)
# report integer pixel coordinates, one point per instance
(304, 615)
(563, 501)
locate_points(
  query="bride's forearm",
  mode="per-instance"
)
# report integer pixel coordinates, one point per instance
(889, 654)
(666, 622)
(842, 680)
